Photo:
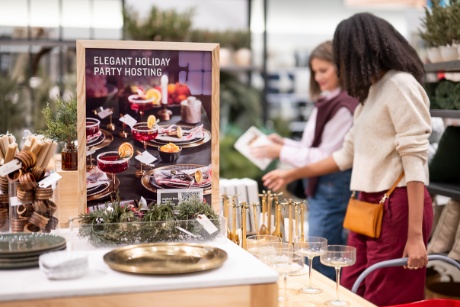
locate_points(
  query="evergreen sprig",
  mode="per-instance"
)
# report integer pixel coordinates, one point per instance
(117, 224)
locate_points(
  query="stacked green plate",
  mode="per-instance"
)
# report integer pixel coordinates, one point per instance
(22, 250)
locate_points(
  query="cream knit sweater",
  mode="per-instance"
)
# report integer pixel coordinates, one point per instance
(390, 133)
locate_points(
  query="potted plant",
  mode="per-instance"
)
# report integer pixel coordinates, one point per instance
(442, 31)
(61, 123)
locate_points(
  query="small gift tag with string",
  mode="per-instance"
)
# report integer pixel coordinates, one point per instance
(206, 223)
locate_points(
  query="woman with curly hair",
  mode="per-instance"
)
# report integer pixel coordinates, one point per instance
(389, 136)
(329, 122)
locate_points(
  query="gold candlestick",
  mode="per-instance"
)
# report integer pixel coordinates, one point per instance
(277, 231)
(123, 134)
(111, 126)
(269, 211)
(225, 212)
(302, 221)
(296, 220)
(263, 227)
(254, 209)
(290, 220)
(244, 208)
(235, 237)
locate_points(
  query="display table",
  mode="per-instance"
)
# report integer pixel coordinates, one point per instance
(296, 298)
(242, 281)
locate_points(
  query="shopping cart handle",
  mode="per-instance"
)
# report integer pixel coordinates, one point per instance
(397, 262)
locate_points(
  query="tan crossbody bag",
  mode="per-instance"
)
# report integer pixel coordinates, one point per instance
(366, 218)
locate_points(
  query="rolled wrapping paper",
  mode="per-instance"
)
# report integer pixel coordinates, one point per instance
(11, 140)
(43, 152)
(4, 142)
(443, 94)
(31, 140)
(49, 154)
(456, 96)
(36, 147)
(11, 152)
(27, 146)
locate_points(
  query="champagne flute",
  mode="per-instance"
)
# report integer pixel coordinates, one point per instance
(338, 256)
(285, 261)
(310, 249)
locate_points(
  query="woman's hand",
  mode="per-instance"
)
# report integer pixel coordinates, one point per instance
(276, 138)
(416, 253)
(415, 249)
(271, 151)
(276, 179)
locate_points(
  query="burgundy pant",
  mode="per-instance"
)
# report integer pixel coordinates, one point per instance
(394, 285)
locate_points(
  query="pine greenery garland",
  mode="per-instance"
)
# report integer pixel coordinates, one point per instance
(117, 224)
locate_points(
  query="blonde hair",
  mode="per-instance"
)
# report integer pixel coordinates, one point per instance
(323, 51)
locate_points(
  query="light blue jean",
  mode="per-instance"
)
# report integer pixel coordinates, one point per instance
(326, 211)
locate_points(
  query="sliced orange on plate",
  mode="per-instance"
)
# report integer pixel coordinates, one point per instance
(198, 176)
(179, 132)
(125, 150)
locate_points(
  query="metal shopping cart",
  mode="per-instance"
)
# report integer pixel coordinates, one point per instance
(402, 262)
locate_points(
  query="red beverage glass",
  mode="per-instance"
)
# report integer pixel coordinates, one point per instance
(138, 103)
(141, 132)
(110, 162)
(92, 127)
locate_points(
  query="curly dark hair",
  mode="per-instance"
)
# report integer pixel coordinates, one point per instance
(365, 47)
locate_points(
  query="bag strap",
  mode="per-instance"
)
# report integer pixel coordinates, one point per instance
(393, 187)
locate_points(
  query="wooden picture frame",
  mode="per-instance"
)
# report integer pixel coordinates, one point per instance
(137, 66)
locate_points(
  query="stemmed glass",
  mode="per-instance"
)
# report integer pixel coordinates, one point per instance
(141, 132)
(310, 249)
(111, 163)
(257, 244)
(285, 261)
(338, 256)
(140, 104)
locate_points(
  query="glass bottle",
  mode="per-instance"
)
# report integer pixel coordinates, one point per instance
(69, 157)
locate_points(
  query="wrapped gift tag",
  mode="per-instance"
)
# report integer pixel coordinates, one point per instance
(127, 119)
(50, 180)
(14, 201)
(206, 223)
(10, 167)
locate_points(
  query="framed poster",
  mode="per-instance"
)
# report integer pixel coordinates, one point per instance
(148, 121)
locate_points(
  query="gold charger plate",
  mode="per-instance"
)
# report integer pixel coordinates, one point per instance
(166, 258)
(108, 138)
(145, 180)
(205, 139)
(106, 191)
